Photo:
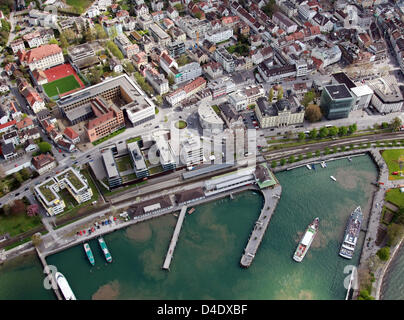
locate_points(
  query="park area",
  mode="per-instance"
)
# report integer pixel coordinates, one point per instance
(395, 163)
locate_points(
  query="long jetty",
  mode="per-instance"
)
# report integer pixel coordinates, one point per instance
(271, 198)
(49, 275)
(174, 239)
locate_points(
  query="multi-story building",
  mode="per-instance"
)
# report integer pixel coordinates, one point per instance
(362, 94)
(187, 72)
(157, 81)
(127, 48)
(165, 153)
(387, 95)
(336, 101)
(186, 91)
(159, 34)
(112, 27)
(47, 192)
(108, 119)
(138, 161)
(284, 22)
(43, 163)
(271, 74)
(328, 55)
(225, 59)
(219, 35)
(33, 98)
(279, 114)
(111, 169)
(209, 119)
(139, 108)
(82, 56)
(17, 45)
(176, 49)
(213, 69)
(43, 57)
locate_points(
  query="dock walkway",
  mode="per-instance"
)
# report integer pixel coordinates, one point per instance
(49, 274)
(271, 198)
(174, 239)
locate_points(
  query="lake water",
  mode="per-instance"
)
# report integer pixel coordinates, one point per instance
(206, 260)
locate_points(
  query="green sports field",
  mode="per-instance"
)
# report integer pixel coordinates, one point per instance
(392, 158)
(64, 85)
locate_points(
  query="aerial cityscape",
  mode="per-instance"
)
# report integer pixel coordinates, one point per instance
(203, 150)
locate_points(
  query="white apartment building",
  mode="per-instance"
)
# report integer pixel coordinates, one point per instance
(219, 35)
(127, 48)
(157, 81)
(363, 95)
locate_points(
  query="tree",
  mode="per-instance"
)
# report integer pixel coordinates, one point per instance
(44, 147)
(308, 97)
(318, 153)
(198, 15)
(396, 124)
(53, 41)
(159, 100)
(343, 131)
(70, 35)
(36, 239)
(280, 94)
(32, 210)
(273, 164)
(395, 232)
(100, 32)
(300, 157)
(323, 132)
(270, 8)
(6, 209)
(301, 136)
(63, 41)
(385, 125)
(333, 131)
(114, 49)
(313, 133)
(18, 177)
(182, 60)
(282, 162)
(313, 113)
(18, 207)
(129, 67)
(291, 159)
(384, 253)
(271, 95)
(89, 35)
(309, 155)
(170, 79)
(94, 76)
(352, 128)
(179, 7)
(326, 150)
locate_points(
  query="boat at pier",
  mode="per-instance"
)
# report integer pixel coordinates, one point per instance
(351, 235)
(349, 159)
(333, 178)
(64, 287)
(308, 166)
(323, 164)
(105, 250)
(306, 240)
(191, 211)
(89, 253)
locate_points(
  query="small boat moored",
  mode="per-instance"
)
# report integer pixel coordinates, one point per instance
(89, 253)
(191, 211)
(333, 178)
(105, 250)
(308, 166)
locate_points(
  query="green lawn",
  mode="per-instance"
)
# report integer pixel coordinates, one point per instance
(16, 224)
(124, 163)
(80, 5)
(108, 136)
(392, 160)
(64, 85)
(396, 197)
(181, 124)
(133, 139)
(155, 170)
(216, 109)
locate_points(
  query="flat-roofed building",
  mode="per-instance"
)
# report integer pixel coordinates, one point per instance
(362, 94)
(159, 34)
(47, 192)
(83, 56)
(336, 101)
(113, 176)
(225, 59)
(209, 119)
(127, 48)
(138, 162)
(132, 99)
(387, 96)
(165, 153)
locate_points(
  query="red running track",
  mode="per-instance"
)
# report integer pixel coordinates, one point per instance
(62, 71)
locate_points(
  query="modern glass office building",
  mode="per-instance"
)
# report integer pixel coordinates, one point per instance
(336, 101)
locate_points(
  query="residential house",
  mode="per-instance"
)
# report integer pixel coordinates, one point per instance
(43, 163)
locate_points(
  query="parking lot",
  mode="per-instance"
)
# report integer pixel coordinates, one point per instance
(250, 120)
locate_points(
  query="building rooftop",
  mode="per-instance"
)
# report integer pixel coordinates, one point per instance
(109, 163)
(338, 91)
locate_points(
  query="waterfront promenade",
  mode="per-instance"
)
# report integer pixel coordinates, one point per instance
(271, 198)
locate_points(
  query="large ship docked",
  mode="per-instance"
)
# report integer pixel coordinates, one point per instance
(89, 253)
(351, 235)
(306, 240)
(105, 250)
(64, 287)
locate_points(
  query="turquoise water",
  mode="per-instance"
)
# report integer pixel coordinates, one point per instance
(205, 264)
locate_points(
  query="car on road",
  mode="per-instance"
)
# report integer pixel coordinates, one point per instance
(26, 189)
(17, 194)
(64, 155)
(89, 155)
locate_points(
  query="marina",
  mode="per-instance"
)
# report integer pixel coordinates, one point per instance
(217, 234)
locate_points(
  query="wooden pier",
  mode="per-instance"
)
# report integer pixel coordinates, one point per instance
(271, 198)
(174, 239)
